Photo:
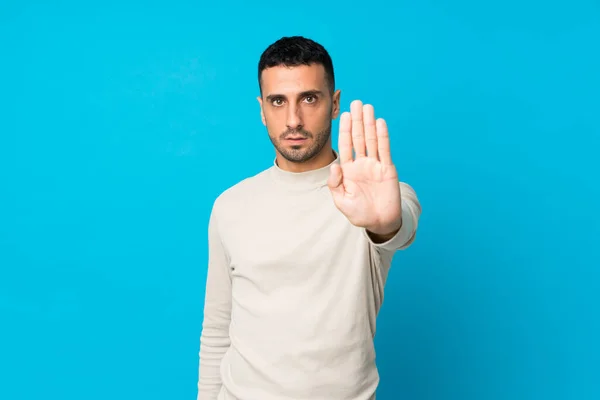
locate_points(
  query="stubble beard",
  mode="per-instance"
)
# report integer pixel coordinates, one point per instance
(302, 153)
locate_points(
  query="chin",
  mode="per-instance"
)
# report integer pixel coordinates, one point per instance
(298, 154)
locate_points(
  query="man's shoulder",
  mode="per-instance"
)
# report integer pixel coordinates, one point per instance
(235, 195)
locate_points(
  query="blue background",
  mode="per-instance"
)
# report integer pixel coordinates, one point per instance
(120, 124)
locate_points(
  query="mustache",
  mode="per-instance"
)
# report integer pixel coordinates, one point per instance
(296, 132)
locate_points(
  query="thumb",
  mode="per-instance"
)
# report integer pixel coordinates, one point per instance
(335, 179)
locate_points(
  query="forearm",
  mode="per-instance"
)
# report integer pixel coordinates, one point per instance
(214, 340)
(214, 343)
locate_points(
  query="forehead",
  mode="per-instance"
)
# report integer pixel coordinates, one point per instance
(290, 80)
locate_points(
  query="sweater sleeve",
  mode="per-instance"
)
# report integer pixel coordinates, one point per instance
(382, 253)
(214, 339)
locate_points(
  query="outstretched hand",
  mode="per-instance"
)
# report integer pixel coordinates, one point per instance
(365, 187)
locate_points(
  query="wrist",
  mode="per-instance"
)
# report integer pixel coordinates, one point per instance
(383, 234)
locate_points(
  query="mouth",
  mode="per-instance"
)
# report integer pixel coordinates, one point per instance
(295, 139)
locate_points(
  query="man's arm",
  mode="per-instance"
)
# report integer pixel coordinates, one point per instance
(214, 340)
(384, 248)
(405, 235)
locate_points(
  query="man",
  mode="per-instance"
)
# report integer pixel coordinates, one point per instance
(299, 253)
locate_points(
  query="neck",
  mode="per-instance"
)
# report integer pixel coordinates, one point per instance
(307, 179)
(323, 159)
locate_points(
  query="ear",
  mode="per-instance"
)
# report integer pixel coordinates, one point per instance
(335, 109)
(262, 113)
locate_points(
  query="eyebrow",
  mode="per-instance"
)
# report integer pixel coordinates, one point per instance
(302, 94)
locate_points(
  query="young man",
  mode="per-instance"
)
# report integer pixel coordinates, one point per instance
(299, 253)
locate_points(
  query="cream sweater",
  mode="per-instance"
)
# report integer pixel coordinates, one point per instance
(292, 292)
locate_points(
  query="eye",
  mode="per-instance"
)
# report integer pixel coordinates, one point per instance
(310, 99)
(277, 102)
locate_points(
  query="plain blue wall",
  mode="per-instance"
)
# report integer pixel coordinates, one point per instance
(120, 124)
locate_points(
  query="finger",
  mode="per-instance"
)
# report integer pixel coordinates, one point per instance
(370, 131)
(383, 142)
(335, 178)
(358, 134)
(345, 138)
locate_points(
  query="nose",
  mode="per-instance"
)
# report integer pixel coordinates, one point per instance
(294, 118)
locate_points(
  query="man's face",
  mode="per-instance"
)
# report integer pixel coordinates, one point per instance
(297, 109)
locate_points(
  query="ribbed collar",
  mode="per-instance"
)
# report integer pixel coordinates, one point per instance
(299, 181)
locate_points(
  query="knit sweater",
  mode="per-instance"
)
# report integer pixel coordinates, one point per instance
(293, 290)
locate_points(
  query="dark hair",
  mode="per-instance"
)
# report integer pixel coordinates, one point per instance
(293, 51)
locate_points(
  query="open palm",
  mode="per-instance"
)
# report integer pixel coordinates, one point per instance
(365, 187)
